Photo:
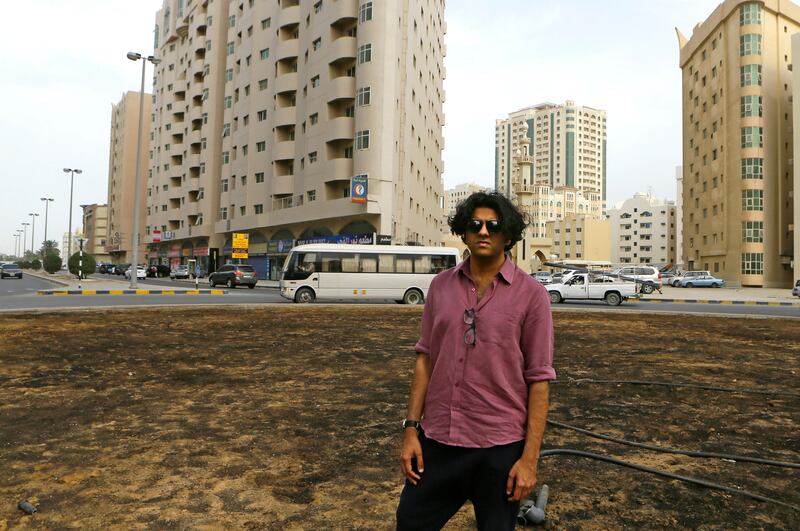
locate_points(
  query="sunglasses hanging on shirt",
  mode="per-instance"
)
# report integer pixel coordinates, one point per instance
(493, 226)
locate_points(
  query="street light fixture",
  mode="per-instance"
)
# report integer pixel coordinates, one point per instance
(72, 172)
(33, 230)
(16, 243)
(24, 238)
(47, 201)
(134, 56)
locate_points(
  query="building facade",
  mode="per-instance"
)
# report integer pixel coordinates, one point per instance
(738, 203)
(95, 230)
(453, 196)
(580, 238)
(295, 122)
(643, 231)
(566, 147)
(679, 219)
(65, 244)
(122, 176)
(796, 172)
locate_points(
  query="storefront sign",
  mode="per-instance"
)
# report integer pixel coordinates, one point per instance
(156, 235)
(200, 251)
(174, 251)
(358, 189)
(279, 246)
(168, 235)
(241, 245)
(359, 239)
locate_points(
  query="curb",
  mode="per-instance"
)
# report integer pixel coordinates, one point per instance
(737, 303)
(132, 292)
(42, 277)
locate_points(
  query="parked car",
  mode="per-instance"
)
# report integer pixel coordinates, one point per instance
(103, 268)
(120, 269)
(674, 281)
(180, 271)
(704, 281)
(585, 286)
(234, 275)
(10, 270)
(141, 272)
(796, 289)
(648, 277)
(158, 271)
(543, 276)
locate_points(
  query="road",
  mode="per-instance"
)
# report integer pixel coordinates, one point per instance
(21, 295)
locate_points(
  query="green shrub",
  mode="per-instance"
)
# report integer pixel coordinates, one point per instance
(26, 264)
(36, 265)
(52, 263)
(89, 264)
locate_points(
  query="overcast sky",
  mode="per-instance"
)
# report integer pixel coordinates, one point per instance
(64, 65)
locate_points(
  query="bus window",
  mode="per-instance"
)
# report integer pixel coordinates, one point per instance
(404, 263)
(301, 265)
(331, 263)
(386, 263)
(349, 263)
(422, 264)
(442, 262)
(369, 263)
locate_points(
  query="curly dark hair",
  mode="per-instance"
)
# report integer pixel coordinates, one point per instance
(514, 221)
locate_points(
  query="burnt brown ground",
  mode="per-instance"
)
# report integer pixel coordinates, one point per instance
(287, 417)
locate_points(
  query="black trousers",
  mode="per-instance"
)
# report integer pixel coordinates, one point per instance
(454, 475)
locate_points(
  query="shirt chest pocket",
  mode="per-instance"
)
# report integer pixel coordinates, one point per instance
(501, 328)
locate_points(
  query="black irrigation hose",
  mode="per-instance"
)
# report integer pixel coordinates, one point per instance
(668, 450)
(742, 390)
(662, 473)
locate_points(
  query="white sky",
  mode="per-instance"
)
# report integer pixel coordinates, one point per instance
(64, 65)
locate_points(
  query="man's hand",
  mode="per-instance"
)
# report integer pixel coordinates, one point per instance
(411, 450)
(521, 480)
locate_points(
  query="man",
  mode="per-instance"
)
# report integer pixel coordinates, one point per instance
(484, 361)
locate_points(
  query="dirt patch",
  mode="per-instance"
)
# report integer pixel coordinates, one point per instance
(288, 418)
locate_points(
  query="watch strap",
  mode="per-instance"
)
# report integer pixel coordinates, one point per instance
(407, 423)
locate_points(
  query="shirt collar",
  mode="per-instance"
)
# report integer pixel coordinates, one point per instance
(506, 270)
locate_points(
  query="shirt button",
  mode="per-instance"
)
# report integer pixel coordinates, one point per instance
(473, 290)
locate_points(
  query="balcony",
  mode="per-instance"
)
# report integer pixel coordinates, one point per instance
(175, 192)
(287, 49)
(289, 15)
(343, 10)
(194, 136)
(193, 161)
(339, 169)
(279, 203)
(282, 185)
(285, 116)
(193, 184)
(524, 189)
(283, 150)
(191, 209)
(182, 26)
(520, 159)
(174, 215)
(342, 88)
(286, 83)
(342, 128)
(343, 48)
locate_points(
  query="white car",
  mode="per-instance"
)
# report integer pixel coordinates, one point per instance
(647, 276)
(141, 273)
(586, 286)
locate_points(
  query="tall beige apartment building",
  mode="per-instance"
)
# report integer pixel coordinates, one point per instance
(737, 143)
(122, 176)
(566, 149)
(95, 230)
(294, 121)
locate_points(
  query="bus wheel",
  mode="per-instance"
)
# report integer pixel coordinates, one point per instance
(304, 296)
(413, 296)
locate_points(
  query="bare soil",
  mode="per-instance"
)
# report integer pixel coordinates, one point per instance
(287, 417)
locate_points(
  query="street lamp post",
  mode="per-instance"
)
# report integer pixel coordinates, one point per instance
(133, 56)
(33, 231)
(47, 201)
(16, 244)
(72, 172)
(19, 242)
(24, 238)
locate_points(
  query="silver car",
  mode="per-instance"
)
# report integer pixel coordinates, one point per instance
(796, 289)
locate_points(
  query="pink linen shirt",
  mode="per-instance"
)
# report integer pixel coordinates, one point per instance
(478, 395)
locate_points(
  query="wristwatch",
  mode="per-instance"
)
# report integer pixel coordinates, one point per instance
(411, 424)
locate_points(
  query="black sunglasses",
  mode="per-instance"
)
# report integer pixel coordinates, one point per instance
(472, 332)
(493, 226)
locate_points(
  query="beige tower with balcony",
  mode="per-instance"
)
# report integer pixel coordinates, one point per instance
(738, 202)
(121, 176)
(265, 112)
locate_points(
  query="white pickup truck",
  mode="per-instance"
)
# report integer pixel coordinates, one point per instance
(587, 286)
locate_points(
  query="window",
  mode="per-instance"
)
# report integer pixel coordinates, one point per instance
(264, 54)
(365, 12)
(224, 185)
(226, 130)
(267, 22)
(312, 157)
(228, 102)
(753, 231)
(229, 74)
(232, 21)
(364, 96)
(318, 7)
(750, 14)
(750, 44)
(231, 48)
(362, 139)
(752, 168)
(262, 115)
(750, 106)
(223, 213)
(750, 75)
(752, 137)
(315, 81)
(259, 209)
(205, 97)
(752, 263)
(364, 53)
(312, 195)
(316, 43)
(753, 200)
(314, 118)
(260, 177)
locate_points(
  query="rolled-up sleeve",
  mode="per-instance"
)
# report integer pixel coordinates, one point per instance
(537, 339)
(426, 326)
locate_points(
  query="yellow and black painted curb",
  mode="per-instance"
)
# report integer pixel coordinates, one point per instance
(133, 292)
(732, 303)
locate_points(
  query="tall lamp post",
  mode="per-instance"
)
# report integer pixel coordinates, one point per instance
(72, 172)
(47, 201)
(133, 56)
(33, 231)
(16, 244)
(24, 238)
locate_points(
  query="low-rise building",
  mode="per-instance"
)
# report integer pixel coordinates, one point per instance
(453, 196)
(580, 237)
(95, 230)
(643, 231)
